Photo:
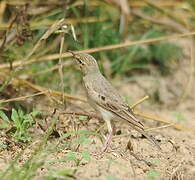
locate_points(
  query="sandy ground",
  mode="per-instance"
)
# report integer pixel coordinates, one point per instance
(130, 157)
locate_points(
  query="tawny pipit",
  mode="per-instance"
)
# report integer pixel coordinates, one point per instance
(104, 98)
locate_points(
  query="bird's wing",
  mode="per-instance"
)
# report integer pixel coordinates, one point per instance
(114, 104)
(119, 108)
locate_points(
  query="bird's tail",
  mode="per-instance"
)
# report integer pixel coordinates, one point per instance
(150, 138)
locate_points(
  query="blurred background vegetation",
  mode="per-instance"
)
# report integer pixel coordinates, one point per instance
(95, 24)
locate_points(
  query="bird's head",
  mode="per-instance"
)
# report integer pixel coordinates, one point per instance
(86, 62)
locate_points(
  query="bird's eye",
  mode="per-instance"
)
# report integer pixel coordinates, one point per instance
(79, 61)
(102, 97)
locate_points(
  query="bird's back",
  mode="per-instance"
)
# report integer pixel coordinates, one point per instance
(102, 94)
(102, 86)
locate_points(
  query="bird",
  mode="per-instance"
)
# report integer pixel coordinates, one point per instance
(105, 98)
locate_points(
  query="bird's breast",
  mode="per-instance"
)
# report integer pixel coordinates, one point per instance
(107, 115)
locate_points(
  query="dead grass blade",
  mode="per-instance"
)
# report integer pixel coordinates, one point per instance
(92, 50)
(69, 21)
(51, 92)
(168, 23)
(52, 29)
(168, 13)
(155, 118)
(160, 127)
(22, 98)
(139, 102)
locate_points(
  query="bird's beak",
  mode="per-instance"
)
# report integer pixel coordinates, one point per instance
(72, 53)
(75, 55)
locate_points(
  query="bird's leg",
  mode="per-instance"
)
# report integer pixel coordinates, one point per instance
(109, 137)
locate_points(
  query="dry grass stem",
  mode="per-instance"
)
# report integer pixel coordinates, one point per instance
(69, 21)
(89, 115)
(22, 63)
(52, 92)
(98, 3)
(160, 127)
(51, 30)
(64, 64)
(22, 98)
(155, 118)
(167, 13)
(92, 50)
(147, 129)
(168, 23)
(139, 102)
(60, 69)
